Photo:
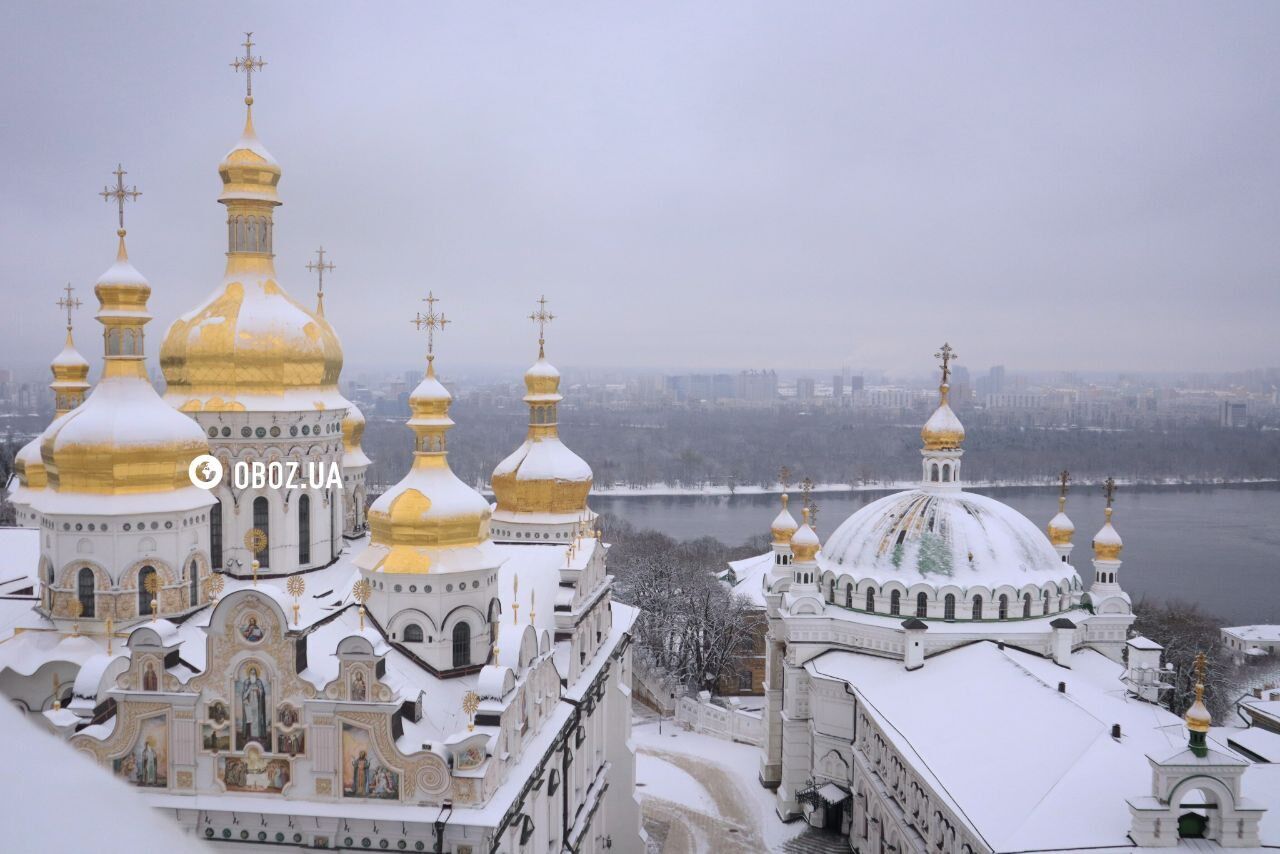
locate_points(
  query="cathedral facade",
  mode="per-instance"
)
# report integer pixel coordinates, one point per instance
(284, 667)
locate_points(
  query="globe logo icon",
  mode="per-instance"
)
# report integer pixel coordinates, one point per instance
(205, 471)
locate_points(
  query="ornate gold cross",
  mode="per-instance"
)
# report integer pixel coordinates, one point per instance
(947, 355)
(119, 194)
(69, 304)
(542, 317)
(248, 64)
(1109, 489)
(432, 321)
(318, 267)
(1064, 478)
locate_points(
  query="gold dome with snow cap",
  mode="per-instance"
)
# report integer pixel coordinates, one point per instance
(352, 433)
(784, 524)
(250, 345)
(542, 475)
(1061, 529)
(943, 431)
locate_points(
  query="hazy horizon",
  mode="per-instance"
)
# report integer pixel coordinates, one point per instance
(1053, 187)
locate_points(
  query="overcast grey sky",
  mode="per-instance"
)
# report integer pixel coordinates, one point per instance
(1048, 185)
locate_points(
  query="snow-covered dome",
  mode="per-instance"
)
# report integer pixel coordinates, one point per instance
(943, 431)
(352, 432)
(1107, 544)
(943, 538)
(250, 346)
(784, 524)
(542, 475)
(1061, 529)
(430, 508)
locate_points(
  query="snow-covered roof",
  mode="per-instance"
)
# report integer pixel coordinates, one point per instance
(19, 559)
(750, 574)
(1260, 742)
(1016, 756)
(941, 537)
(1263, 633)
(544, 458)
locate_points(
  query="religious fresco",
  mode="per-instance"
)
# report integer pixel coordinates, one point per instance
(359, 688)
(363, 775)
(150, 677)
(291, 743)
(215, 740)
(250, 629)
(251, 701)
(287, 715)
(147, 764)
(217, 712)
(254, 772)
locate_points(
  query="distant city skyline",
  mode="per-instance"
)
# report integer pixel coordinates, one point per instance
(692, 187)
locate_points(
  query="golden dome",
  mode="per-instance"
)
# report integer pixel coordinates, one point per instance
(123, 439)
(542, 475)
(943, 431)
(430, 508)
(784, 524)
(29, 467)
(352, 433)
(805, 542)
(1107, 543)
(1061, 528)
(250, 345)
(70, 382)
(1198, 718)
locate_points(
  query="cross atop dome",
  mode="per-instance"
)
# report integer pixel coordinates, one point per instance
(1064, 478)
(68, 303)
(947, 355)
(248, 64)
(1109, 490)
(120, 194)
(542, 317)
(319, 267)
(432, 321)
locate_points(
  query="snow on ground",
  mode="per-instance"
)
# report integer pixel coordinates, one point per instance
(740, 761)
(657, 778)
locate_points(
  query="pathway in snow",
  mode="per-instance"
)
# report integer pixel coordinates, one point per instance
(701, 795)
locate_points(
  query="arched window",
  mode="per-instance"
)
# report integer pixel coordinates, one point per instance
(946, 473)
(1004, 607)
(304, 530)
(933, 473)
(194, 581)
(333, 526)
(1046, 601)
(262, 521)
(977, 607)
(871, 599)
(1026, 605)
(215, 535)
(949, 607)
(413, 633)
(48, 586)
(922, 605)
(831, 590)
(461, 645)
(84, 591)
(144, 596)
(895, 603)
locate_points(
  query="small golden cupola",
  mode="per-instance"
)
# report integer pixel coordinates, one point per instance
(430, 512)
(70, 383)
(123, 439)
(784, 524)
(542, 476)
(943, 431)
(1061, 529)
(250, 346)
(805, 543)
(1107, 544)
(1197, 718)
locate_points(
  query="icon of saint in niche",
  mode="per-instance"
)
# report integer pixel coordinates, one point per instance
(252, 692)
(251, 631)
(150, 682)
(359, 692)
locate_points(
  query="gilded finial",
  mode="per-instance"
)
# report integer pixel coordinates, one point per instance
(470, 705)
(433, 322)
(76, 608)
(296, 586)
(1109, 490)
(319, 267)
(515, 599)
(110, 629)
(532, 596)
(1198, 718)
(255, 540)
(360, 592)
(68, 303)
(213, 586)
(542, 317)
(248, 64)
(152, 584)
(120, 194)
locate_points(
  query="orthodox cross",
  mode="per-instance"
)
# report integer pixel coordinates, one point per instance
(946, 354)
(318, 267)
(69, 304)
(1064, 478)
(432, 322)
(813, 515)
(119, 194)
(1109, 489)
(248, 64)
(1200, 667)
(806, 487)
(784, 478)
(542, 317)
